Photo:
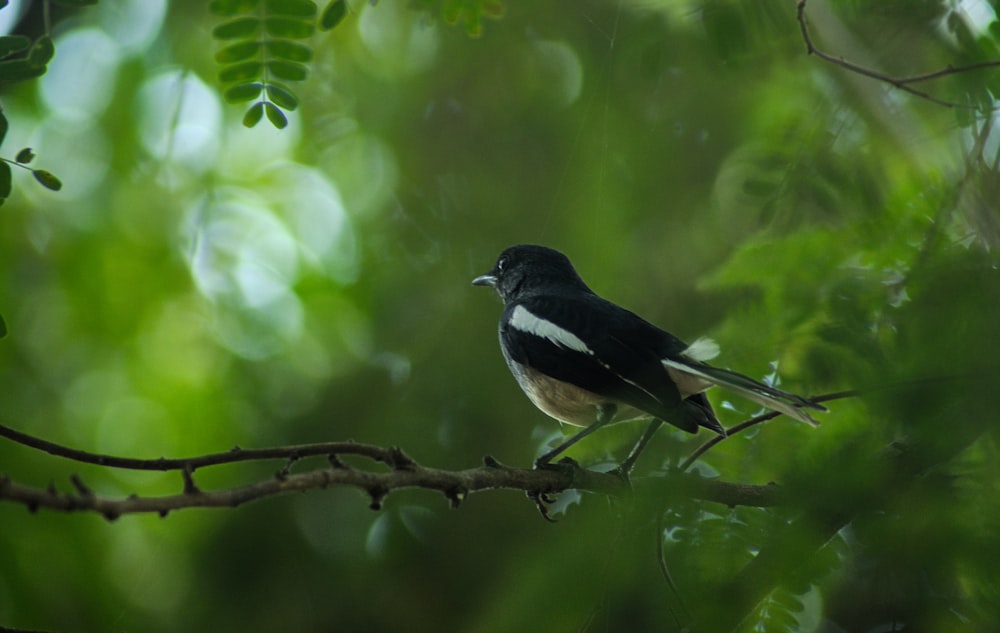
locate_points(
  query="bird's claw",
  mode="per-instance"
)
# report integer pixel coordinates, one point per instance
(542, 502)
(563, 465)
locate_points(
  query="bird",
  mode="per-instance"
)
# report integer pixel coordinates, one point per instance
(588, 362)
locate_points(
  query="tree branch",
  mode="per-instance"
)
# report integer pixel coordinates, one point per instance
(403, 472)
(903, 83)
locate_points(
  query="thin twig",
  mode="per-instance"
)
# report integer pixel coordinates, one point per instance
(903, 83)
(389, 456)
(661, 558)
(754, 421)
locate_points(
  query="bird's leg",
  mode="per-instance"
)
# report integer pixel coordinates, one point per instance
(625, 468)
(605, 414)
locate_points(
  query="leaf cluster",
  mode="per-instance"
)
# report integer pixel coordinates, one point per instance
(23, 58)
(469, 13)
(24, 156)
(264, 48)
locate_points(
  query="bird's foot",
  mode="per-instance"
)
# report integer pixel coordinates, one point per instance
(566, 464)
(542, 501)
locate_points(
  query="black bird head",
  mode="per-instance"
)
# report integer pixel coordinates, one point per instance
(525, 269)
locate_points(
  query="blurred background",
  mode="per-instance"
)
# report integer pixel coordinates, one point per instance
(197, 284)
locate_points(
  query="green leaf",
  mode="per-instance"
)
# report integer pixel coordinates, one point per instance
(288, 27)
(10, 44)
(239, 28)
(275, 116)
(288, 70)
(333, 14)
(19, 70)
(243, 92)
(237, 52)
(41, 51)
(253, 115)
(282, 96)
(75, 3)
(25, 156)
(3, 127)
(759, 187)
(294, 8)
(5, 180)
(241, 72)
(47, 179)
(232, 7)
(3, 327)
(292, 51)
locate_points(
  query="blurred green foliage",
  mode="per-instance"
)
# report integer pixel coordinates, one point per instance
(196, 285)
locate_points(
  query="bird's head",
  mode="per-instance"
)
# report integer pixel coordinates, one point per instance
(526, 269)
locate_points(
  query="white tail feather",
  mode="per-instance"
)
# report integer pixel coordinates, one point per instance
(763, 399)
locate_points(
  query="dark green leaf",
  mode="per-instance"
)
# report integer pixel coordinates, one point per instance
(10, 44)
(288, 27)
(41, 51)
(242, 92)
(275, 116)
(237, 52)
(288, 70)
(282, 96)
(789, 601)
(253, 115)
(294, 8)
(759, 187)
(232, 7)
(239, 28)
(3, 127)
(965, 115)
(291, 51)
(19, 70)
(726, 30)
(5, 180)
(333, 14)
(47, 179)
(25, 156)
(3, 327)
(241, 72)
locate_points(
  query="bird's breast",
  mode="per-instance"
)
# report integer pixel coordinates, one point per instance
(558, 399)
(564, 401)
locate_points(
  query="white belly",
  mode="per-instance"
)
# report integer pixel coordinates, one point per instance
(565, 402)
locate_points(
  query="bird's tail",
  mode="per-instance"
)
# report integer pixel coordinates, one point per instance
(776, 399)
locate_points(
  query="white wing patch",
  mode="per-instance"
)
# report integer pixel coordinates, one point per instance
(522, 319)
(702, 349)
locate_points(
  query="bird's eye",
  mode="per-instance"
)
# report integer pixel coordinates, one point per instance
(500, 264)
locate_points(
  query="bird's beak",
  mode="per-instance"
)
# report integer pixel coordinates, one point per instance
(485, 280)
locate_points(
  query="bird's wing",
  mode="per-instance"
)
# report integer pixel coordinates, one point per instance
(594, 344)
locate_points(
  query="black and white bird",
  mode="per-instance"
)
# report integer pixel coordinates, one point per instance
(588, 362)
